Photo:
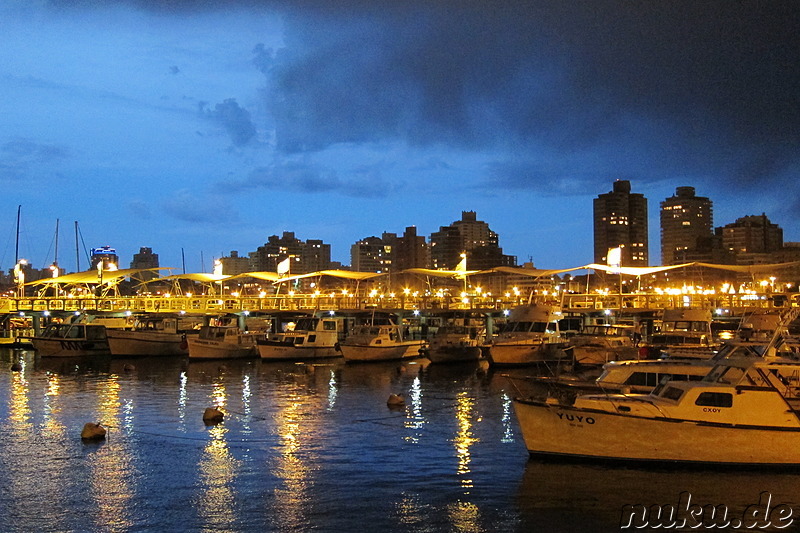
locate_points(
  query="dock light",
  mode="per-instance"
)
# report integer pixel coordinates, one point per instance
(406, 291)
(416, 312)
(77, 313)
(291, 293)
(46, 312)
(331, 312)
(22, 314)
(128, 313)
(262, 294)
(506, 312)
(607, 312)
(247, 313)
(235, 294)
(188, 294)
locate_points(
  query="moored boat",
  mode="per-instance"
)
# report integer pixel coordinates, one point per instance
(223, 342)
(309, 338)
(381, 342)
(598, 344)
(744, 411)
(530, 336)
(71, 340)
(150, 336)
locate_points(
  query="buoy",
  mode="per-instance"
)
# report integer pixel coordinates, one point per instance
(16, 367)
(93, 431)
(310, 369)
(212, 415)
(395, 399)
(129, 367)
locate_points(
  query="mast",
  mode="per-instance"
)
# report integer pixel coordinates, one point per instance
(55, 259)
(77, 250)
(16, 247)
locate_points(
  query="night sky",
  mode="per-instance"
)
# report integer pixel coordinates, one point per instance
(209, 125)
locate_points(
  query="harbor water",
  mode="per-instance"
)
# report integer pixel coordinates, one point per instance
(308, 447)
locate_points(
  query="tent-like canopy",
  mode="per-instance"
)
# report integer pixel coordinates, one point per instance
(93, 276)
(341, 274)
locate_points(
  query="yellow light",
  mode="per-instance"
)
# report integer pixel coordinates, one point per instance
(188, 294)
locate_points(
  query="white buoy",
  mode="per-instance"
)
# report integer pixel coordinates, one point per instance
(93, 431)
(395, 399)
(212, 415)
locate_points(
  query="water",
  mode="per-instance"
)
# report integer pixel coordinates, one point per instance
(304, 448)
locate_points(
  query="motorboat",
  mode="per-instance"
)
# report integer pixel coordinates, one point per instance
(597, 344)
(71, 340)
(380, 342)
(151, 336)
(531, 335)
(684, 333)
(459, 338)
(743, 411)
(223, 342)
(308, 338)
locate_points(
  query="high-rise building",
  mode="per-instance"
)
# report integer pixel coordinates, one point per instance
(235, 264)
(145, 259)
(410, 251)
(471, 236)
(105, 255)
(371, 254)
(620, 220)
(752, 236)
(686, 227)
(309, 256)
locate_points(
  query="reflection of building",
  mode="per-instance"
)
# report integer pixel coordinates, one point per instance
(105, 255)
(686, 227)
(620, 219)
(145, 259)
(468, 235)
(234, 264)
(308, 256)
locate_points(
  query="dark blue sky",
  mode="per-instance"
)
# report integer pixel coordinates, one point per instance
(209, 126)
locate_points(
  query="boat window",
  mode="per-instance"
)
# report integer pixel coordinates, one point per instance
(715, 399)
(312, 338)
(672, 393)
(299, 340)
(645, 379)
(74, 332)
(329, 325)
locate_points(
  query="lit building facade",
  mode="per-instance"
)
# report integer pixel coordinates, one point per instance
(145, 259)
(471, 236)
(105, 255)
(620, 220)
(235, 264)
(305, 256)
(686, 227)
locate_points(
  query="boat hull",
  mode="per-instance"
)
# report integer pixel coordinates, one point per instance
(127, 342)
(210, 349)
(280, 351)
(563, 431)
(47, 347)
(453, 353)
(521, 354)
(356, 353)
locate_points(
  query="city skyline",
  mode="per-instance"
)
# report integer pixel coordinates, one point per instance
(207, 128)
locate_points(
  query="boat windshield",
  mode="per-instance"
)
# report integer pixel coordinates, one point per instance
(306, 324)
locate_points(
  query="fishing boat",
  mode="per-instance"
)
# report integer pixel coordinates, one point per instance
(380, 342)
(309, 338)
(223, 342)
(597, 344)
(152, 335)
(744, 411)
(71, 340)
(531, 335)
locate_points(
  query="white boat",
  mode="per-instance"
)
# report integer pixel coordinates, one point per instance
(683, 333)
(744, 411)
(71, 340)
(455, 342)
(598, 344)
(530, 336)
(763, 334)
(310, 338)
(150, 336)
(223, 342)
(384, 342)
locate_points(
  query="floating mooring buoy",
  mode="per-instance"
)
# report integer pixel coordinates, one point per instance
(129, 367)
(212, 415)
(16, 367)
(395, 400)
(93, 431)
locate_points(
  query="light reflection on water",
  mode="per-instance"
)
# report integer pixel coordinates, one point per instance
(301, 447)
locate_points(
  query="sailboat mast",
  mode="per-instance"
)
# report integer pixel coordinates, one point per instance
(16, 246)
(55, 258)
(77, 250)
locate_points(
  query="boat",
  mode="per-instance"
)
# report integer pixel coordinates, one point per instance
(223, 342)
(683, 333)
(597, 344)
(531, 335)
(380, 342)
(745, 411)
(309, 338)
(71, 340)
(152, 335)
(762, 334)
(459, 338)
